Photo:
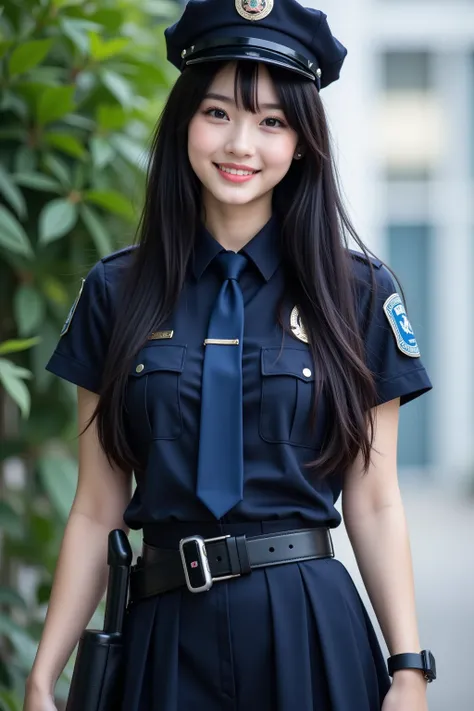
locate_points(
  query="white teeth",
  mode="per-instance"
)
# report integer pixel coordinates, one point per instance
(233, 171)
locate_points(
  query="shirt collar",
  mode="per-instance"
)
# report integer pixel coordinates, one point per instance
(263, 250)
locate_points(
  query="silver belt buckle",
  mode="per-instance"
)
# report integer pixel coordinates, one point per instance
(195, 562)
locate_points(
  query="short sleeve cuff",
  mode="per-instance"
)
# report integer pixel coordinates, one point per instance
(407, 386)
(74, 371)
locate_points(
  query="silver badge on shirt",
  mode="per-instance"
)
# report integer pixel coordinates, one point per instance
(297, 326)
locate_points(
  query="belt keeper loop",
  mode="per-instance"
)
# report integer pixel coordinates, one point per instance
(243, 554)
(233, 556)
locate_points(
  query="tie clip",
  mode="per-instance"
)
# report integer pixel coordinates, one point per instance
(221, 342)
(160, 335)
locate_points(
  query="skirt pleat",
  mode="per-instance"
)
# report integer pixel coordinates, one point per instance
(294, 636)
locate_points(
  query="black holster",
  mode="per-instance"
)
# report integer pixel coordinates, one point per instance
(98, 672)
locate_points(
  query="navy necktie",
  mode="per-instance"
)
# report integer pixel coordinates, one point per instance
(220, 464)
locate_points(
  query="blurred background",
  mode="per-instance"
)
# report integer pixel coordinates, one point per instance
(81, 85)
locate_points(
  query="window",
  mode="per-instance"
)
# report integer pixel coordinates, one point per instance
(410, 135)
(409, 256)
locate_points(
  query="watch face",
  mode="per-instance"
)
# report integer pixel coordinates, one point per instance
(429, 664)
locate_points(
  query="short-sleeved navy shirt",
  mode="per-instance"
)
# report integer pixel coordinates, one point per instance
(164, 387)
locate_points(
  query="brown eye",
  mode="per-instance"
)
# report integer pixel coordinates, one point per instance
(273, 122)
(216, 113)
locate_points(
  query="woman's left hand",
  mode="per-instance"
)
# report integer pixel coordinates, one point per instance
(407, 693)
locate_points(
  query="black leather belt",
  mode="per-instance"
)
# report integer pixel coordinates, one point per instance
(201, 562)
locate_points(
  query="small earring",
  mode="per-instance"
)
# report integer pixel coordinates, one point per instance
(298, 156)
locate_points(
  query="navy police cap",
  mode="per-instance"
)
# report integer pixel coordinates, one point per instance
(279, 32)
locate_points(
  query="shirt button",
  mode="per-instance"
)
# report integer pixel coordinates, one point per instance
(140, 368)
(307, 373)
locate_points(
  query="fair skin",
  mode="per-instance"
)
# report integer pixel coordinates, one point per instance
(220, 134)
(224, 136)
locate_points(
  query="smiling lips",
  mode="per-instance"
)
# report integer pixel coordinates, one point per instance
(236, 173)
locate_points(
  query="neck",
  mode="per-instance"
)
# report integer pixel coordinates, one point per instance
(233, 226)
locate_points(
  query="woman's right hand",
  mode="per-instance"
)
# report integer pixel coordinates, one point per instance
(38, 699)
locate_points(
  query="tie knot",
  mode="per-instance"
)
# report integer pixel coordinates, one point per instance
(231, 264)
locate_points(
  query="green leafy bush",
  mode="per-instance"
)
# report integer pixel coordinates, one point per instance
(80, 86)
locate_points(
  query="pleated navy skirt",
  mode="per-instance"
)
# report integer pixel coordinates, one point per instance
(294, 637)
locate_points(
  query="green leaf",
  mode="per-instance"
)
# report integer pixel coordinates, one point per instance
(9, 701)
(25, 646)
(14, 103)
(27, 55)
(66, 143)
(4, 47)
(11, 377)
(101, 151)
(118, 87)
(97, 230)
(129, 149)
(29, 309)
(12, 235)
(104, 49)
(111, 201)
(14, 134)
(111, 118)
(54, 103)
(25, 160)
(59, 169)
(58, 475)
(10, 521)
(17, 345)
(9, 596)
(40, 355)
(37, 181)
(54, 290)
(11, 193)
(76, 34)
(56, 219)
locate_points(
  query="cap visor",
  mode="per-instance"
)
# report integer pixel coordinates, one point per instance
(257, 54)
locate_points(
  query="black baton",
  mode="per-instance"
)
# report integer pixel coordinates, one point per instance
(97, 679)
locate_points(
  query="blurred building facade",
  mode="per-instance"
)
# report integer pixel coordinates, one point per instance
(402, 119)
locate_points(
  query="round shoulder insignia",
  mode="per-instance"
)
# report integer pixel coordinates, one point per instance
(254, 9)
(401, 326)
(72, 310)
(297, 327)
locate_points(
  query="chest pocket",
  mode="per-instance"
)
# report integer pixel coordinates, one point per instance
(153, 392)
(287, 397)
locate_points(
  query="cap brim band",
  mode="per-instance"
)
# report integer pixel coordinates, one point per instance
(237, 48)
(221, 55)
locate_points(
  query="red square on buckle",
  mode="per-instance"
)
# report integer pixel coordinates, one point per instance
(194, 564)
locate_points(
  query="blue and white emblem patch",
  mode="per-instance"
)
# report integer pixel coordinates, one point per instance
(72, 310)
(401, 326)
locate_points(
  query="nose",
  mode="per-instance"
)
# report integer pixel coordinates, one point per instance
(240, 142)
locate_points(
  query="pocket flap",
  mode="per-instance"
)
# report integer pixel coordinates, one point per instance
(288, 361)
(158, 357)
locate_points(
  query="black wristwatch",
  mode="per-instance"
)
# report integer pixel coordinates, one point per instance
(424, 661)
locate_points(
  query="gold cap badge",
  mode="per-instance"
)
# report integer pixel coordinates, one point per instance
(297, 327)
(254, 9)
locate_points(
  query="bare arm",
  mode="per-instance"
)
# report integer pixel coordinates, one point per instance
(81, 573)
(376, 525)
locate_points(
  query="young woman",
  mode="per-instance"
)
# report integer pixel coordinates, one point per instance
(247, 367)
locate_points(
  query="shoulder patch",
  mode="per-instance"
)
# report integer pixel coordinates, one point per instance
(72, 310)
(401, 327)
(360, 256)
(118, 253)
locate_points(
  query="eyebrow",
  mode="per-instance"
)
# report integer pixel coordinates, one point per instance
(229, 100)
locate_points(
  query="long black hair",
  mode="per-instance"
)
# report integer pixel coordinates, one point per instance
(315, 229)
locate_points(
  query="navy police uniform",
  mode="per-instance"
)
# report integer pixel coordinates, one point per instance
(292, 636)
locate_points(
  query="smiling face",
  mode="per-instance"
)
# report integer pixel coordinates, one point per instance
(240, 156)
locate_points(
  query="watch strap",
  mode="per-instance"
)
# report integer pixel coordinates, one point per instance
(424, 661)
